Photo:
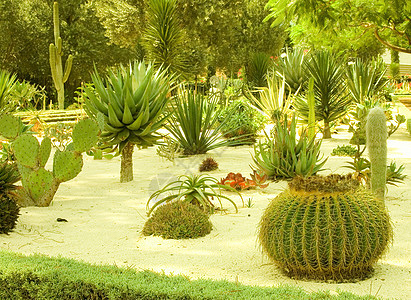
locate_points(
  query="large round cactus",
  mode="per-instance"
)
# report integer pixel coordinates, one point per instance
(326, 228)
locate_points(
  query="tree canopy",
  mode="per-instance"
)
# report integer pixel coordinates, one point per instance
(388, 20)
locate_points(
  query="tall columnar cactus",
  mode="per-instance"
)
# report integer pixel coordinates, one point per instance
(39, 184)
(327, 228)
(56, 53)
(311, 109)
(376, 133)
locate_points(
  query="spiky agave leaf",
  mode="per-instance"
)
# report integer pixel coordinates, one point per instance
(9, 175)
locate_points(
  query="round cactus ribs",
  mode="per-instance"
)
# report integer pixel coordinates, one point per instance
(325, 228)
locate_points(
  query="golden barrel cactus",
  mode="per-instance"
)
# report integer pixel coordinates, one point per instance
(326, 228)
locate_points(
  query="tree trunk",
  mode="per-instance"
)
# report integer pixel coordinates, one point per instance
(327, 131)
(126, 171)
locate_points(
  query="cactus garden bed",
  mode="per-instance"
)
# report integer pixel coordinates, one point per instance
(96, 219)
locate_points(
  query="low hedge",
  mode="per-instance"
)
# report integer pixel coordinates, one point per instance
(40, 277)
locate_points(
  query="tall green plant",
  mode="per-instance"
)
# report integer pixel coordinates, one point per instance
(129, 104)
(365, 80)
(257, 68)
(7, 83)
(56, 53)
(331, 97)
(196, 124)
(272, 100)
(163, 39)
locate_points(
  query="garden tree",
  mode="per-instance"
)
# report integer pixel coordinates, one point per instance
(26, 31)
(388, 20)
(123, 21)
(352, 42)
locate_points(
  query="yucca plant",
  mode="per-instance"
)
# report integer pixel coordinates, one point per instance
(195, 189)
(366, 80)
(163, 39)
(257, 68)
(196, 124)
(129, 104)
(7, 82)
(291, 66)
(282, 156)
(330, 92)
(272, 100)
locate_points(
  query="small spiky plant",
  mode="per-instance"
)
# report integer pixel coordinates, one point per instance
(178, 220)
(208, 164)
(327, 228)
(9, 210)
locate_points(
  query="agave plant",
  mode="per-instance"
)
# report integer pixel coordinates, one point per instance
(196, 189)
(272, 101)
(293, 69)
(196, 124)
(129, 105)
(330, 92)
(7, 83)
(366, 80)
(283, 156)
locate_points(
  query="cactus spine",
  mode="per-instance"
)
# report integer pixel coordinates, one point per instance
(311, 109)
(56, 53)
(376, 136)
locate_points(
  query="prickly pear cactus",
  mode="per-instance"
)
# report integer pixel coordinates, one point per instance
(39, 184)
(26, 149)
(66, 165)
(9, 126)
(85, 135)
(326, 228)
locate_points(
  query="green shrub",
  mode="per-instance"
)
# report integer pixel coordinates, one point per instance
(245, 119)
(409, 125)
(344, 150)
(327, 228)
(283, 156)
(178, 220)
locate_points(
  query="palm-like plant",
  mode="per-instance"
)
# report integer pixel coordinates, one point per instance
(163, 39)
(365, 80)
(196, 124)
(257, 69)
(330, 92)
(272, 100)
(129, 105)
(7, 82)
(196, 189)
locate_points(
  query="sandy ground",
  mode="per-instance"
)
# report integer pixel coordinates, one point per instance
(105, 218)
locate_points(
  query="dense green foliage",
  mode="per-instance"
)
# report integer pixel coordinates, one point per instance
(9, 210)
(178, 220)
(388, 20)
(40, 277)
(325, 228)
(283, 156)
(244, 119)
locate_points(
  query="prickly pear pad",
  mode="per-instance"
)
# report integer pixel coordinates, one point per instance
(44, 152)
(85, 135)
(39, 182)
(66, 165)
(9, 126)
(26, 149)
